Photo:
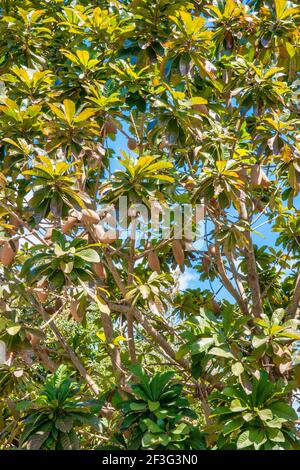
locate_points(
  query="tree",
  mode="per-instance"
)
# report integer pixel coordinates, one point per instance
(157, 103)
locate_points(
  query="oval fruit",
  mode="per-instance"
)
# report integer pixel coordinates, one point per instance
(69, 224)
(202, 108)
(89, 216)
(212, 250)
(8, 252)
(258, 177)
(110, 127)
(109, 237)
(153, 261)
(100, 270)
(33, 339)
(132, 144)
(74, 304)
(42, 295)
(206, 263)
(178, 252)
(48, 234)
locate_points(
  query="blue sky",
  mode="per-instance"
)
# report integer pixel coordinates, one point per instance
(190, 278)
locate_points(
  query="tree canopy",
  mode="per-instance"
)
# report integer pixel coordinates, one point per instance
(111, 340)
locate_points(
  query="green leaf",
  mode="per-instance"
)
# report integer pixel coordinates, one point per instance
(152, 426)
(237, 368)
(153, 405)
(150, 439)
(13, 330)
(137, 406)
(278, 316)
(69, 107)
(283, 410)
(232, 425)
(243, 440)
(265, 415)
(89, 255)
(182, 428)
(64, 423)
(221, 353)
(259, 341)
(275, 435)
(237, 406)
(158, 383)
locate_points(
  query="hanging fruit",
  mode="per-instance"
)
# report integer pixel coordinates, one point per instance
(90, 216)
(201, 108)
(8, 251)
(100, 270)
(212, 250)
(74, 310)
(215, 306)
(109, 237)
(153, 261)
(48, 234)
(15, 222)
(33, 339)
(42, 292)
(132, 144)
(110, 127)
(258, 177)
(205, 262)
(153, 307)
(178, 252)
(69, 224)
(242, 174)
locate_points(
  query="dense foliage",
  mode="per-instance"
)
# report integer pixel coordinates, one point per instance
(165, 101)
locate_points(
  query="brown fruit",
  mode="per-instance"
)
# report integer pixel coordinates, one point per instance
(132, 144)
(215, 307)
(69, 224)
(42, 295)
(7, 252)
(242, 174)
(44, 358)
(89, 216)
(258, 205)
(212, 250)
(15, 222)
(188, 245)
(33, 339)
(189, 183)
(153, 261)
(229, 40)
(48, 234)
(110, 127)
(85, 237)
(3, 306)
(53, 308)
(178, 252)
(99, 231)
(109, 237)
(153, 307)
(74, 304)
(258, 177)
(214, 206)
(100, 270)
(206, 263)
(202, 108)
